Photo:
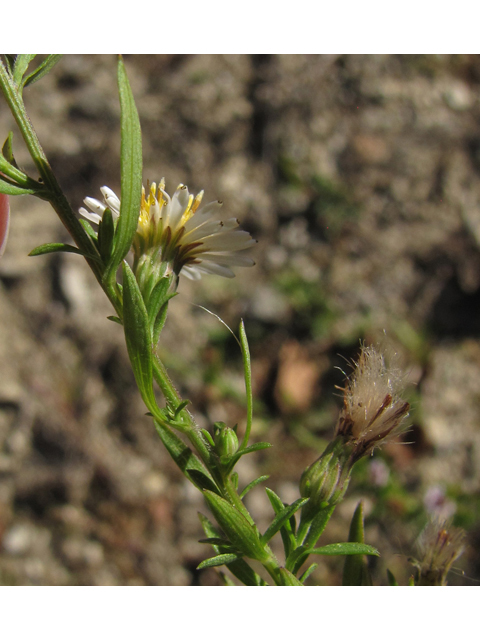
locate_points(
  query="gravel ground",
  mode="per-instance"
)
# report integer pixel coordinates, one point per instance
(360, 178)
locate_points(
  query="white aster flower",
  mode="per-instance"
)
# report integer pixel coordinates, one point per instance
(177, 231)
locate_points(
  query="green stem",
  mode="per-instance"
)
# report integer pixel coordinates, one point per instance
(167, 388)
(273, 568)
(232, 496)
(53, 192)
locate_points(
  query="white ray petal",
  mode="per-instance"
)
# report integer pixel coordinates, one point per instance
(111, 199)
(192, 273)
(229, 241)
(179, 204)
(228, 259)
(204, 230)
(210, 208)
(95, 206)
(216, 269)
(93, 217)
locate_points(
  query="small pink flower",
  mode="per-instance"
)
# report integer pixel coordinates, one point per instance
(4, 221)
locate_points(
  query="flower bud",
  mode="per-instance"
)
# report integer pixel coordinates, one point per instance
(326, 480)
(226, 441)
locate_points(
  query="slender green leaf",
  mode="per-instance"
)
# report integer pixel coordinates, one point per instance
(157, 298)
(298, 557)
(106, 232)
(184, 458)
(7, 150)
(275, 500)
(12, 190)
(131, 173)
(287, 533)
(42, 69)
(253, 484)
(355, 571)
(247, 367)
(138, 338)
(208, 437)
(234, 480)
(16, 178)
(239, 568)
(306, 574)
(115, 319)
(251, 449)
(21, 64)
(10, 60)
(56, 247)
(201, 480)
(89, 229)
(281, 518)
(240, 532)
(160, 322)
(222, 542)
(217, 561)
(345, 549)
(318, 526)
(288, 579)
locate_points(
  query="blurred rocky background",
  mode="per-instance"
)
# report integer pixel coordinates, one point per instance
(360, 178)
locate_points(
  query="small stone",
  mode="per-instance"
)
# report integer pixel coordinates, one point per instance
(17, 540)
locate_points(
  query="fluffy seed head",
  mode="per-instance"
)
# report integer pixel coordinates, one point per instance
(438, 546)
(373, 411)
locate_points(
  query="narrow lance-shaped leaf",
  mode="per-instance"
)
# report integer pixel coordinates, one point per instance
(355, 571)
(89, 229)
(345, 549)
(138, 338)
(239, 567)
(59, 247)
(248, 382)
(251, 449)
(318, 525)
(106, 231)
(288, 579)
(253, 484)
(12, 174)
(184, 458)
(21, 64)
(12, 190)
(308, 572)
(42, 69)
(131, 173)
(281, 518)
(7, 150)
(287, 533)
(215, 542)
(157, 298)
(239, 531)
(298, 557)
(10, 60)
(217, 561)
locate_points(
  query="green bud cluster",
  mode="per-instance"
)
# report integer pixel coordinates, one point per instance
(225, 439)
(326, 480)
